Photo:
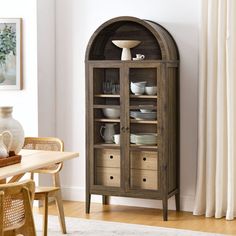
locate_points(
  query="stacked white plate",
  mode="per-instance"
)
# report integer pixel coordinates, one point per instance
(143, 115)
(144, 138)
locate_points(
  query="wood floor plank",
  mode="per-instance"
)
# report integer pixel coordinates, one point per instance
(146, 216)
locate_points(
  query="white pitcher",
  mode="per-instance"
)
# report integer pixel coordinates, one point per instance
(108, 133)
(4, 149)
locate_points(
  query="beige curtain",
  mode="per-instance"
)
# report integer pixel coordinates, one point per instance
(216, 177)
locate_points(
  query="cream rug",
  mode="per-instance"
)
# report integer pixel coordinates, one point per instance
(82, 227)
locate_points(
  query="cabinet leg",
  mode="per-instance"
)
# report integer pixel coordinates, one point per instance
(165, 208)
(177, 201)
(88, 200)
(105, 200)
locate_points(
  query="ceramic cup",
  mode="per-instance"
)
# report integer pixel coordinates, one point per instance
(140, 56)
(116, 138)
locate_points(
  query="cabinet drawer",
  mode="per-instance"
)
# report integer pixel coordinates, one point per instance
(108, 158)
(108, 176)
(144, 160)
(144, 179)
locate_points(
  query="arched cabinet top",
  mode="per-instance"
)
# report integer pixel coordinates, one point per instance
(156, 41)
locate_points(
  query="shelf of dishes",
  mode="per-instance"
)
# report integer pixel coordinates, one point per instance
(131, 96)
(111, 89)
(112, 114)
(132, 107)
(140, 88)
(134, 121)
(132, 146)
(109, 135)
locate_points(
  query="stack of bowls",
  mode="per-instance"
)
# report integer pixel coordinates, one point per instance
(138, 88)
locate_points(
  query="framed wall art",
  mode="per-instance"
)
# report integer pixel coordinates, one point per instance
(10, 54)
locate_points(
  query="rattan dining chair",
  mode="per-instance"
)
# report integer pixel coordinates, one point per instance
(43, 193)
(16, 208)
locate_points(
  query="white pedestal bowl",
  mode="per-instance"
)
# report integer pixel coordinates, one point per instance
(126, 45)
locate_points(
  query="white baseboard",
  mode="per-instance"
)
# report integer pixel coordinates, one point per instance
(78, 194)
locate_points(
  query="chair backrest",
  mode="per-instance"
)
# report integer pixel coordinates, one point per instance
(46, 144)
(16, 207)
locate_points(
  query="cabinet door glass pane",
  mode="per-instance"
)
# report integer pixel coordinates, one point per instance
(106, 116)
(143, 108)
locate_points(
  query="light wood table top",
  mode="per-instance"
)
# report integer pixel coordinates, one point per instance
(35, 159)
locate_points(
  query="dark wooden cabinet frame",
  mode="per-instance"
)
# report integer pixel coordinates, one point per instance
(161, 66)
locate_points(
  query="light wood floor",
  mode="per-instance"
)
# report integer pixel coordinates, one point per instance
(147, 216)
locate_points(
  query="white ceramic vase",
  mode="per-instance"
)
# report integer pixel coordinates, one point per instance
(7, 122)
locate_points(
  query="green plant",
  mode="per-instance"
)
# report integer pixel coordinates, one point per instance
(7, 43)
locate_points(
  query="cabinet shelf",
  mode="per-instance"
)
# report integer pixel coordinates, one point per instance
(143, 147)
(132, 146)
(143, 121)
(141, 63)
(137, 107)
(144, 96)
(107, 120)
(107, 95)
(107, 145)
(131, 121)
(106, 106)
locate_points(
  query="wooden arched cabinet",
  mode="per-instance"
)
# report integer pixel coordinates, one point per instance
(132, 169)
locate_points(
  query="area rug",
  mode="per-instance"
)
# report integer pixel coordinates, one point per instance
(81, 227)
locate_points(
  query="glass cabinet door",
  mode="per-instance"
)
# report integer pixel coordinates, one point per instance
(105, 98)
(144, 120)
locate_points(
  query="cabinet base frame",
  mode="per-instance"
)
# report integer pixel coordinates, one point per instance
(164, 199)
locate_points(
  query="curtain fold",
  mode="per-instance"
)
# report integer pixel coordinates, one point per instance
(216, 177)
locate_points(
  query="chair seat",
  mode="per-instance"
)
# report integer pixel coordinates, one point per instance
(41, 191)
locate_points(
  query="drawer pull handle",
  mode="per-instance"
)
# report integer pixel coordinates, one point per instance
(144, 180)
(144, 158)
(111, 157)
(111, 177)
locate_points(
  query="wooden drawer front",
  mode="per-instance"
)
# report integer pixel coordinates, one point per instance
(144, 160)
(144, 179)
(108, 176)
(108, 158)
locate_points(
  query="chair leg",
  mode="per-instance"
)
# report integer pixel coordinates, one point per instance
(59, 203)
(60, 209)
(45, 217)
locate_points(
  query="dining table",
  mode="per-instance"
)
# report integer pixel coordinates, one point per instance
(31, 160)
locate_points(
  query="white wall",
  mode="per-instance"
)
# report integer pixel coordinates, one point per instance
(46, 52)
(25, 102)
(76, 21)
(46, 67)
